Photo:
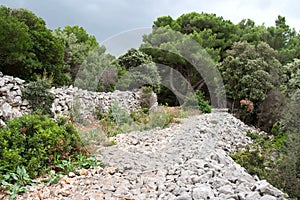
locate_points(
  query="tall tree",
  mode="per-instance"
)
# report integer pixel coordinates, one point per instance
(38, 50)
(78, 43)
(98, 72)
(250, 72)
(182, 55)
(284, 39)
(140, 71)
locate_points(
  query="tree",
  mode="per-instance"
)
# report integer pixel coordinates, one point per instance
(140, 71)
(250, 72)
(77, 45)
(98, 72)
(284, 39)
(249, 32)
(291, 115)
(134, 58)
(224, 32)
(36, 49)
(15, 45)
(185, 65)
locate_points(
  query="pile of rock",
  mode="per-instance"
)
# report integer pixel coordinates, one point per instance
(187, 161)
(11, 102)
(75, 102)
(69, 101)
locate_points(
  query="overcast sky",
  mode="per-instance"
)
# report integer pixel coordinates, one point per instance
(105, 19)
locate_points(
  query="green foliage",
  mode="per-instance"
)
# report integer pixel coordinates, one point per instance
(29, 48)
(98, 71)
(78, 44)
(250, 72)
(38, 96)
(34, 144)
(16, 182)
(252, 159)
(212, 32)
(13, 43)
(196, 101)
(160, 119)
(146, 100)
(274, 158)
(81, 161)
(34, 141)
(248, 31)
(187, 62)
(134, 58)
(52, 179)
(118, 121)
(115, 121)
(141, 71)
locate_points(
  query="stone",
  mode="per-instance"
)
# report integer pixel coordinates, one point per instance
(170, 166)
(2, 82)
(71, 175)
(226, 189)
(266, 188)
(19, 81)
(184, 196)
(2, 123)
(268, 197)
(96, 196)
(111, 170)
(6, 109)
(203, 192)
(83, 172)
(252, 196)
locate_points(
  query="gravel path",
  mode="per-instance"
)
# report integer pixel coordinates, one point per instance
(185, 161)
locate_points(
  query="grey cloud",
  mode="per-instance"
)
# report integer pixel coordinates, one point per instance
(104, 18)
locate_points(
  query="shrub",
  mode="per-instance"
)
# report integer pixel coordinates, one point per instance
(196, 101)
(274, 159)
(146, 100)
(118, 121)
(160, 119)
(113, 122)
(38, 96)
(37, 143)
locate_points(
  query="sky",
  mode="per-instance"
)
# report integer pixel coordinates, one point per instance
(108, 19)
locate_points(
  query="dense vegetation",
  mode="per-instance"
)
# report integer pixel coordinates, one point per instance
(259, 65)
(33, 145)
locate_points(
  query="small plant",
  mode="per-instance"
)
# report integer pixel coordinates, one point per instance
(196, 101)
(162, 118)
(17, 182)
(38, 96)
(118, 120)
(81, 161)
(146, 100)
(52, 179)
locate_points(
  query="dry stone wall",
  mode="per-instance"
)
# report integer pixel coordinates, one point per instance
(11, 102)
(69, 101)
(74, 102)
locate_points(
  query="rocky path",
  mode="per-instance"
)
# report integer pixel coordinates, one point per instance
(185, 161)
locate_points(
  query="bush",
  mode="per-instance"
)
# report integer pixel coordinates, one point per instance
(160, 119)
(118, 121)
(275, 159)
(146, 100)
(113, 122)
(37, 143)
(196, 101)
(38, 96)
